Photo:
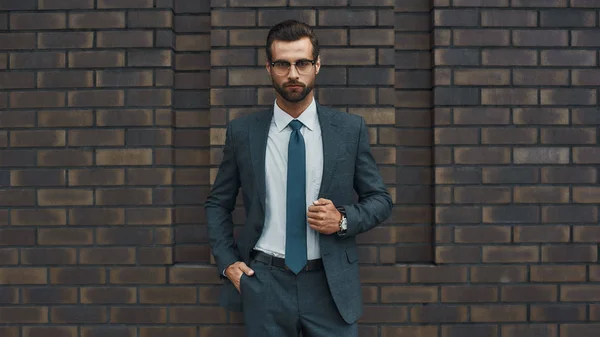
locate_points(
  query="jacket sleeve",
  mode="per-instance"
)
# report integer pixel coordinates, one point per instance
(374, 201)
(220, 205)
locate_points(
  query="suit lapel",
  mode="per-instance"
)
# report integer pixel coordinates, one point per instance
(331, 143)
(259, 132)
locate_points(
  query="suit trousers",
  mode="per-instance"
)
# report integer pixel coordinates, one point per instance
(278, 303)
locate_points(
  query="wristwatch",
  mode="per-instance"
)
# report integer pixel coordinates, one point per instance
(343, 222)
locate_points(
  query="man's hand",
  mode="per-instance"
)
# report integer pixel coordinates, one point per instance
(324, 217)
(234, 273)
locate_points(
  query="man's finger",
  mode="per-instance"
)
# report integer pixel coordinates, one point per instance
(246, 269)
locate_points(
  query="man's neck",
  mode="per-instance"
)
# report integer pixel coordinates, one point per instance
(294, 109)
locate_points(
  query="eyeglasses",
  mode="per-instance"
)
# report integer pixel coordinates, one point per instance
(283, 67)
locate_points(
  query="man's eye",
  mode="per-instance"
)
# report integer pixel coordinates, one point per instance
(303, 63)
(281, 65)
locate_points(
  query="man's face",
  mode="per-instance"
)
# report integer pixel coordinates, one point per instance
(297, 83)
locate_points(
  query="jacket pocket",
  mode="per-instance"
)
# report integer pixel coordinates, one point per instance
(351, 254)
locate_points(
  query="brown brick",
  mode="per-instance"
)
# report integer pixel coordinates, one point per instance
(112, 295)
(96, 137)
(541, 155)
(485, 195)
(96, 216)
(508, 18)
(469, 294)
(15, 119)
(23, 276)
(9, 256)
(520, 330)
(112, 331)
(37, 177)
(566, 175)
(143, 315)
(77, 315)
(540, 38)
(568, 96)
(137, 275)
(96, 98)
(71, 79)
(570, 253)
(160, 331)
(512, 96)
(37, 99)
(124, 117)
(481, 37)
(71, 118)
(107, 255)
(478, 116)
(439, 314)
(66, 4)
(540, 77)
(506, 254)
(96, 177)
(529, 293)
(149, 97)
(153, 19)
(509, 136)
(149, 216)
(37, 21)
(409, 294)
(569, 136)
(65, 157)
(48, 256)
(17, 41)
(123, 236)
(482, 77)
(155, 256)
(65, 237)
(17, 80)
(77, 275)
(57, 197)
(482, 234)
(17, 237)
(586, 155)
(119, 78)
(23, 315)
(449, 136)
(558, 274)
(197, 315)
(569, 214)
(457, 254)
(482, 155)
(498, 313)
(558, 313)
(178, 295)
(540, 116)
(438, 274)
(509, 57)
(545, 233)
(38, 217)
(585, 38)
(453, 17)
(52, 295)
(149, 176)
(65, 40)
(124, 157)
(579, 293)
(588, 77)
(124, 196)
(97, 20)
(155, 58)
(568, 58)
(541, 194)
(15, 197)
(125, 4)
(96, 59)
(38, 138)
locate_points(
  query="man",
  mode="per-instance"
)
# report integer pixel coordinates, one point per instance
(309, 184)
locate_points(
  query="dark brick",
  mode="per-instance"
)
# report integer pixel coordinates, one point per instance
(106, 331)
(508, 18)
(570, 253)
(66, 4)
(48, 256)
(456, 96)
(509, 57)
(529, 330)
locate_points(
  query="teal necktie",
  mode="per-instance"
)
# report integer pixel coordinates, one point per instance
(295, 244)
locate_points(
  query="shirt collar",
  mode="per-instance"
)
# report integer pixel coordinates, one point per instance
(308, 117)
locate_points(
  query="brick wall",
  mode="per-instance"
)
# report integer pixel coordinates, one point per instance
(483, 117)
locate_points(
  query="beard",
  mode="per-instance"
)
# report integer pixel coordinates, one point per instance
(293, 96)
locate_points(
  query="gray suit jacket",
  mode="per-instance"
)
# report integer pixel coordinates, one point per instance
(350, 179)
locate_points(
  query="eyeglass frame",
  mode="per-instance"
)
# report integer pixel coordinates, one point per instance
(290, 64)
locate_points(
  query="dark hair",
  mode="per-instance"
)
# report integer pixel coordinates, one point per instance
(291, 30)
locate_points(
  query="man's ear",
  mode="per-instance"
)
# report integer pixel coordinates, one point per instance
(318, 64)
(268, 66)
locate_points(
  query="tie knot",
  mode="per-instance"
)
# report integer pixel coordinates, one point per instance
(295, 125)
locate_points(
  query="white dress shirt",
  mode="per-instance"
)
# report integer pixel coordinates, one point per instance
(272, 240)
